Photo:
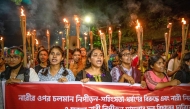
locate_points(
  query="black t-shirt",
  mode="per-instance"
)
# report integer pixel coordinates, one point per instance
(182, 76)
(37, 68)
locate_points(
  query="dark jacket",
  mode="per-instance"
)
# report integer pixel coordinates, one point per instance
(182, 76)
(23, 73)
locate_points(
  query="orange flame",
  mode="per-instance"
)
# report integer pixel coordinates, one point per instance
(1, 38)
(119, 31)
(77, 19)
(100, 32)
(110, 28)
(85, 33)
(183, 20)
(28, 33)
(138, 25)
(65, 20)
(47, 32)
(22, 12)
(36, 41)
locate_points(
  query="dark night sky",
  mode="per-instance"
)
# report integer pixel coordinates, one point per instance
(48, 14)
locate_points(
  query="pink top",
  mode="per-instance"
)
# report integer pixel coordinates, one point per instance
(152, 80)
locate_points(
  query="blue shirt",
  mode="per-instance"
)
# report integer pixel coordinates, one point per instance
(49, 77)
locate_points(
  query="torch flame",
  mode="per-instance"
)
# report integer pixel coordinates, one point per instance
(22, 12)
(65, 20)
(119, 31)
(138, 25)
(100, 32)
(77, 19)
(1, 38)
(28, 33)
(110, 28)
(183, 20)
(36, 41)
(85, 33)
(47, 32)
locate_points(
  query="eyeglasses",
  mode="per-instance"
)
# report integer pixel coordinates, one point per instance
(126, 54)
(13, 57)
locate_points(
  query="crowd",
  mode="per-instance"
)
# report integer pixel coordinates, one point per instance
(124, 66)
(155, 73)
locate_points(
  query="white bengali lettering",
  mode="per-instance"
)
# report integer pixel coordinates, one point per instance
(27, 97)
(176, 97)
(97, 106)
(151, 98)
(165, 106)
(150, 107)
(186, 97)
(111, 106)
(134, 99)
(44, 98)
(182, 106)
(136, 107)
(164, 98)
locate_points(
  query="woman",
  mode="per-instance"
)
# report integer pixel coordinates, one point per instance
(42, 58)
(174, 64)
(16, 72)
(76, 64)
(155, 76)
(183, 75)
(56, 72)
(95, 69)
(125, 72)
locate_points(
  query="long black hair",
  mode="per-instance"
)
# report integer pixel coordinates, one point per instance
(152, 60)
(38, 58)
(76, 50)
(185, 59)
(88, 64)
(65, 72)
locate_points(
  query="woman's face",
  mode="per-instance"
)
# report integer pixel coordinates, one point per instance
(96, 58)
(158, 66)
(115, 62)
(55, 56)
(126, 57)
(43, 56)
(76, 56)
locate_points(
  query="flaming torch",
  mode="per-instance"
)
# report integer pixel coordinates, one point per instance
(23, 30)
(184, 35)
(91, 40)
(67, 26)
(2, 46)
(104, 46)
(63, 43)
(33, 39)
(110, 40)
(28, 40)
(119, 35)
(139, 31)
(37, 43)
(48, 39)
(167, 39)
(77, 30)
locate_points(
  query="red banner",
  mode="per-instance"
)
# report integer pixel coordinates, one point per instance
(75, 95)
